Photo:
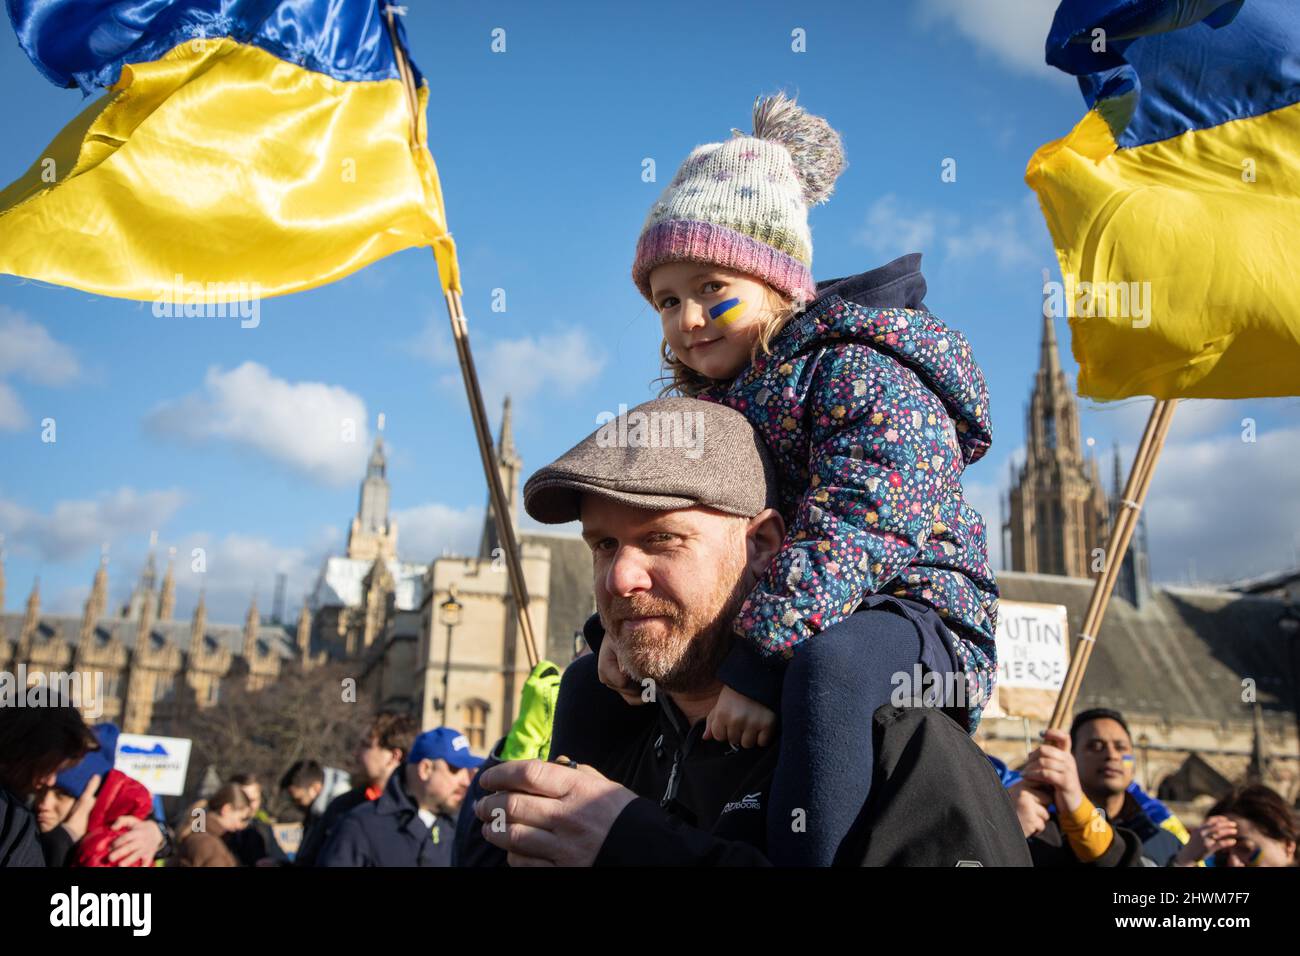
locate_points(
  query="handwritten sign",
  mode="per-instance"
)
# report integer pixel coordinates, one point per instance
(157, 762)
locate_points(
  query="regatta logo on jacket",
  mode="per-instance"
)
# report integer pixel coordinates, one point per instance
(102, 909)
(749, 801)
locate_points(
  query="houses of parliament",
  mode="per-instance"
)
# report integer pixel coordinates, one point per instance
(1206, 676)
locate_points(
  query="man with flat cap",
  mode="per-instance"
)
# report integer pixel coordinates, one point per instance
(678, 503)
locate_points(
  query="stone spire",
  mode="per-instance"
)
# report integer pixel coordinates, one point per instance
(167, 599)
(251, 624)
(144, 593)
(1058, 507)
(509, 465)
(97, 602)
(372, 534)
(33, 616)
(2, 574)
(145, 628)
(304, 635)
(198, 625)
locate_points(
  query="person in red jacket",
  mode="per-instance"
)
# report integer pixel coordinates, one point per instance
(112, 797)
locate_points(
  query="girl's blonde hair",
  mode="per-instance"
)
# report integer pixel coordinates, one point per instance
(680, 379)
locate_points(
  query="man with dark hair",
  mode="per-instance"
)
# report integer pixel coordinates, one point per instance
(1063, 826)
(35, 744)
(381, 749)
(312, 787)
(255, 845)
(1103, 749)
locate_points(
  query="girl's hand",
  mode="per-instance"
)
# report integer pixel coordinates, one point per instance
(740, 721)
(612, 676)
(1215, 834)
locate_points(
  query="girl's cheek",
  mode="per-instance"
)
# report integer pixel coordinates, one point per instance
(728, 311)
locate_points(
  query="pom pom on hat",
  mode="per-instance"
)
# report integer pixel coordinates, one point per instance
(815, 147)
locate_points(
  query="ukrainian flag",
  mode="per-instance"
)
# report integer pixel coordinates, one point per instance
(1179, 192)
(268, 144)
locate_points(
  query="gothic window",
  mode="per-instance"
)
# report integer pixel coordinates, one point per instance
(1049, 429)
(474, 723)
(214, 690)
(162, 687)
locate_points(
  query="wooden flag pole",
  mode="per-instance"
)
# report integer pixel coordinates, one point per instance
(1135, 492)
(460, 332)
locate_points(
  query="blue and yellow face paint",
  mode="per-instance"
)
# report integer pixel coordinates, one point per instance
(724, 313)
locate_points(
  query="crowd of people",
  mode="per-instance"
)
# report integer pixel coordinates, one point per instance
(62, 803)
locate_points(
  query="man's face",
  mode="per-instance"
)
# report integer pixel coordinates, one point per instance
(1104, 755)
(375, 762)
(436, 785)
(254, 793)
(52, 807)
(668, 585)
(303, 797)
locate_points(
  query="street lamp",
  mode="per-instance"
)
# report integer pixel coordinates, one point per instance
(450, 617)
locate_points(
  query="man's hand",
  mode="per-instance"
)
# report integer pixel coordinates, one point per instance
(1215, 834)
(612, 676)
(549, 814)
(79, 816)
(740, 720)
(1052, 765)
(1031, 808)
(139, 841)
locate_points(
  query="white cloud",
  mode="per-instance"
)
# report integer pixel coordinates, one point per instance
(304, 425)
(427, 531)
(1012, 31)
(74, 528)
(524, 368)
(1010, 237)
(12, 414)
(1226, 508)
(29, 352)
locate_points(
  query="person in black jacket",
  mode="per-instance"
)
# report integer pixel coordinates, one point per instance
(1063, 826)
(413, 821)
(1103, 750)
(255, 844)
(677, 544)
(35, 744)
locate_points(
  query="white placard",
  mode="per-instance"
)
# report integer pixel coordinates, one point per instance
(157, 762)
(1033, 645)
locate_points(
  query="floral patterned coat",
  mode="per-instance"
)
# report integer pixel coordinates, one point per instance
(870, 415)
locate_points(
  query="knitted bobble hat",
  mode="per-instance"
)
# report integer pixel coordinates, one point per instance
(743, 204)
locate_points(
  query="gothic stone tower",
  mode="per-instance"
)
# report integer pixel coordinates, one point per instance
(372, 535)
(1058, 510)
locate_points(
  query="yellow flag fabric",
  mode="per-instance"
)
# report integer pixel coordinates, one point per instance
(223, 165)
(1179, 258)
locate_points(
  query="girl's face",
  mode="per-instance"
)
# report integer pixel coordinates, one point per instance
(711, 316)
(1254, 848)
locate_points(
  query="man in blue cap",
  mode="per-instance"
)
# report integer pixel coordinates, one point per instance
(414, 820)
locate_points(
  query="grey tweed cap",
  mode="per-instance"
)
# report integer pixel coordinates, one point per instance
(662, 455)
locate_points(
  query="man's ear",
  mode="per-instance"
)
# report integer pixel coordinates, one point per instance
(763, 539)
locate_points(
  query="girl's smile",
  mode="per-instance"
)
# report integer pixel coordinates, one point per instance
(710, 315)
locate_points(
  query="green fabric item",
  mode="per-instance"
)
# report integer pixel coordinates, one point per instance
(530, 737)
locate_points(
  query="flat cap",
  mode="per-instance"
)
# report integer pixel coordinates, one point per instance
(663, 455)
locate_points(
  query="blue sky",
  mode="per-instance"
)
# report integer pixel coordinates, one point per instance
(200, 430)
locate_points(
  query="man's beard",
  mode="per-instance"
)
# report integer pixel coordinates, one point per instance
(686, 658)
